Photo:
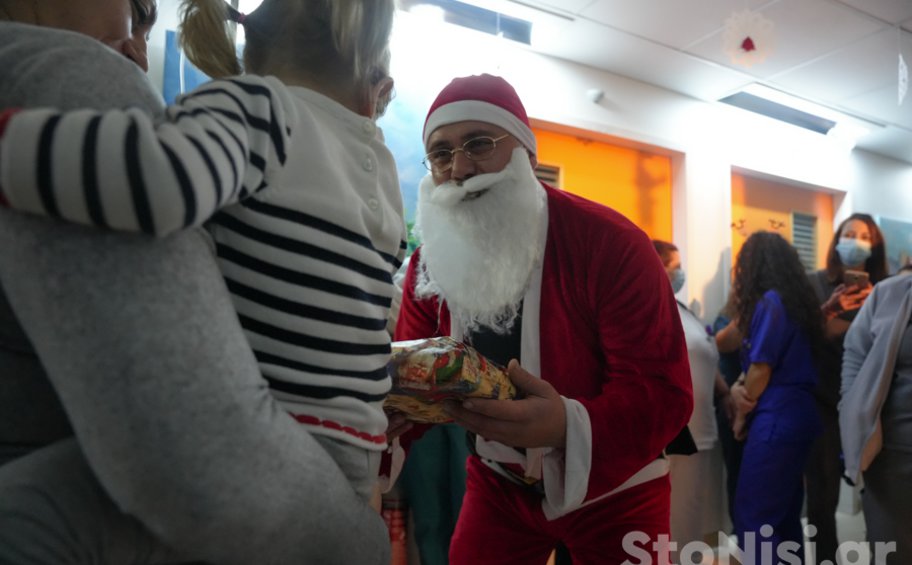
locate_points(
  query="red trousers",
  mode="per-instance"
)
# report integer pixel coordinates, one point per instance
(502, 523)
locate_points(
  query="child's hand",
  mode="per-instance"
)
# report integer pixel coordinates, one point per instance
(397, 425)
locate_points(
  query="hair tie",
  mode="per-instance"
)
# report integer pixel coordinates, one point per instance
(235, 15)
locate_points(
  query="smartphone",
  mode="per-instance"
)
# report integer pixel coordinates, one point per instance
(855, 278)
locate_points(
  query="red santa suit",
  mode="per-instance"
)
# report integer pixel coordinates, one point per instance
(601, 324)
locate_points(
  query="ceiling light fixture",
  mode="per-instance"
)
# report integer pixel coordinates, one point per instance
(567, 17)
(428, 11)
(472, 15)
(777, 109)
(784, 107)
(524, 11)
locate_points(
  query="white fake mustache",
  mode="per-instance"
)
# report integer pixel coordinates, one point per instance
(478, 254)
(452, 193)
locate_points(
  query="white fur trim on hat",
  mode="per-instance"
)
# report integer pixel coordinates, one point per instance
(477, 110)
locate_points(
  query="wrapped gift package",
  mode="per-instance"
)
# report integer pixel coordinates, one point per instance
(427, 371)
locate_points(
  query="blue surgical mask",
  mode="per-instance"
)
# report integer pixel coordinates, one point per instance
(677, 280)
(853, 252)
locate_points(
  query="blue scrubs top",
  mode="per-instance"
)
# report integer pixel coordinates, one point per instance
(786, 410)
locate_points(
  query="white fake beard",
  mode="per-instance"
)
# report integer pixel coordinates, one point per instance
(478, 254)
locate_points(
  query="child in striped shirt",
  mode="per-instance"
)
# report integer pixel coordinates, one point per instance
(292, 178)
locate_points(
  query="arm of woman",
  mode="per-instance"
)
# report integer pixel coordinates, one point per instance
(836, 327)
(728, 339)
(844, 299)
(722, 393)
(757, 379)
(746, 392)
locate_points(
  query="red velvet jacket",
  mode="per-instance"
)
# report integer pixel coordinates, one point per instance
(610, 335)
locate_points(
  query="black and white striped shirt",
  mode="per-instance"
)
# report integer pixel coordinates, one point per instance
(301, 197)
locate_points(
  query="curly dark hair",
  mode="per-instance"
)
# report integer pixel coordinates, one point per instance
(769, 262)
(876, 265)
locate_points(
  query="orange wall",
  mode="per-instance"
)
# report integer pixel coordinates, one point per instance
(758, 203)
(636, 183)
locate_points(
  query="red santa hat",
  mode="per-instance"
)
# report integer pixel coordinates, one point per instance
(482, 98)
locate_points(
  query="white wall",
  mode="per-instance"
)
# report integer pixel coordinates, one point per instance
(882, 186)
(706, 140)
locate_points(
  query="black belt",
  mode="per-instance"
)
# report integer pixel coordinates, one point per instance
(537, 485)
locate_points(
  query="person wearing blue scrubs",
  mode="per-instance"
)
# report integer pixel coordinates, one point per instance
(776, 413)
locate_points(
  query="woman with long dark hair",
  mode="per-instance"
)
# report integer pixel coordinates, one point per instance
(776, 413)
(857, 245)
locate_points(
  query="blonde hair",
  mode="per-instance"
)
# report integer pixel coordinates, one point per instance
(207, 38)
(340, 41)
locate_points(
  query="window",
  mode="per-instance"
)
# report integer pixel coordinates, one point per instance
(804, 238)
(549, 174)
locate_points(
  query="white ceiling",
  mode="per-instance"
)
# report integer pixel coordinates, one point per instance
(840, 53)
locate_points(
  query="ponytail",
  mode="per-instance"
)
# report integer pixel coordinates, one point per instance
(339, 41)
(206, 36)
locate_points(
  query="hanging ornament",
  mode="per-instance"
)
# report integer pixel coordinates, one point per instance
(747, 38)
(903, 79)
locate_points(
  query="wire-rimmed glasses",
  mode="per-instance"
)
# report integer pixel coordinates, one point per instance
(475, 149)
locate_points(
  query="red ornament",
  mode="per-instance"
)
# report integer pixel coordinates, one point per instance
(748, 45)
(748, 38)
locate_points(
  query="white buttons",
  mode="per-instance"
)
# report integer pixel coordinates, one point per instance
(368, 164)
(373, 203)
(368, 126)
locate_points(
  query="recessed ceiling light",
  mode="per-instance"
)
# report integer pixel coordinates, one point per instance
(473, 16)
(803, 113)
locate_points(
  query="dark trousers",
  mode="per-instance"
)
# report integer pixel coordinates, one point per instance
(887, 503)
(732, 451)
(823, 474)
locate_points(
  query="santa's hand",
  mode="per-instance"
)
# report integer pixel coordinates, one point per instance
(536, 420)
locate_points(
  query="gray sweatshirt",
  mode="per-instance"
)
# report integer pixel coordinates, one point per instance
(143, 348)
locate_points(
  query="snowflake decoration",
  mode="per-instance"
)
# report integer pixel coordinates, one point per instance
(748, 38)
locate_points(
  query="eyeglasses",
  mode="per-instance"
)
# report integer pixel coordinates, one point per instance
(475, 149)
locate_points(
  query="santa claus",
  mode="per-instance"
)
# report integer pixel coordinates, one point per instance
(573, 296)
